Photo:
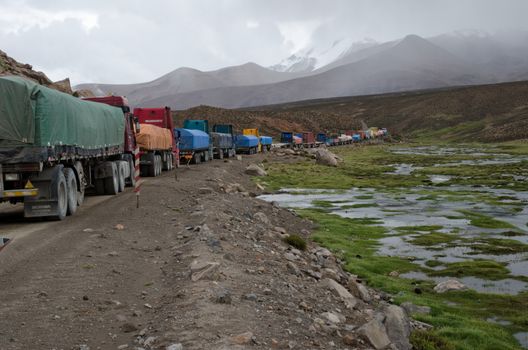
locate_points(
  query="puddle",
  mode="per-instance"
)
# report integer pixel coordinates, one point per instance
(522, 338)
(438, 179)
(506, 286)
(498, 321)
(403, 169)
(427, 206)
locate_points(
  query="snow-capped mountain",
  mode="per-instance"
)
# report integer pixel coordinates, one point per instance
(313, 58)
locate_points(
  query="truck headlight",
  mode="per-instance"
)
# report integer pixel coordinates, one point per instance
(12, 177)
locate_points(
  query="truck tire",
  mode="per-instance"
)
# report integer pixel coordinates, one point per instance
(100, 186)
(62, 196)
(111, 183)
(81, 182)
(160, 165)
(71, 189)
(121, 171)
(206, 157)
(151, 166)
(132, 178)
(197, 157)
(221, 154)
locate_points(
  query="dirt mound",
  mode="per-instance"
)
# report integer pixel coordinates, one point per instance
(9, 66)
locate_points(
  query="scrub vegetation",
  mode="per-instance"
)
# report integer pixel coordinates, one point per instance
(459, 318)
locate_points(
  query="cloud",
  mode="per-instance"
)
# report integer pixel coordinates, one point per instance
(125, 41)
(19, 17)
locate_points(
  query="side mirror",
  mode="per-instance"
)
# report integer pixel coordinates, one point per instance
(138, 125)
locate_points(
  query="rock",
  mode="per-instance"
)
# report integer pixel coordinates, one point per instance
(261, 217)
(340, 291)
(289, 256)
(239, 157)
(223, 296)
(334, 317)
(449, 285)
(292, 268)
(280, 230)
(330, 273)
(250, 297)
(325, 157)
(63, 86)
(242, 339)
(203, 270)
(374, 332)
(119, 227)
(128, 327)
(394, 274)
(177, 346)
(323, 252)
(349, 339)
(255, 170)
(149, 342)
(205, 190)
(418, 325)
(398, 327)
(410, 309)
(358, 290)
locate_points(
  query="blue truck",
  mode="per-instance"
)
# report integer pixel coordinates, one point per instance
(265, 142)
(246, 144)
(195, 142)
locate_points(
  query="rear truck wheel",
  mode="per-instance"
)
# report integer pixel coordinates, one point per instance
(150, 159)
(221, 154)
(61, 189)
(71, 188)
(197, 157)
(206, 157)
(111, 183)
(121, 175)
(160, 165)
(132, 179)
(81, 182)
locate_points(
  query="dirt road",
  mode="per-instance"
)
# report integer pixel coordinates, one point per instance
(200, 265)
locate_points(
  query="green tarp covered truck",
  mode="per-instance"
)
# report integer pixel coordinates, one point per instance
(53, 146)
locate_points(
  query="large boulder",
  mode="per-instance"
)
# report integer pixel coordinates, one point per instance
(449, 285)
(341, 292)
(398, 327)
(375, 333)
(325, 157)
(255, 170)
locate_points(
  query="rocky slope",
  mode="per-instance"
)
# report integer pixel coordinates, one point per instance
(9, 66)
(202, 264)
(496, 112)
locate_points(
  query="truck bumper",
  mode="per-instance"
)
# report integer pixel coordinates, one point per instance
(19, 193)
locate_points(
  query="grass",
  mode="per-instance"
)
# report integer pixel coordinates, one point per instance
(459, 318)
(359, 205)
(484, 221)
(296, 241)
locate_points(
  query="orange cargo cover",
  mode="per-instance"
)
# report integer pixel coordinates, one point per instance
(153, 137)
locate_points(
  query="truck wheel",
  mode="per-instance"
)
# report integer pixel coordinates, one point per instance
(62, 196)
(81, 183)
(206, 157)
(100, 186)
(111, 183)
(121, 176)
(151, 167)
(160, 165)
(221, 154)
(71, 188)
(132, 179)
(197, 158)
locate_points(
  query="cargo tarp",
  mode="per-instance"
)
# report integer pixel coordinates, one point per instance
(153, 137)
(36, 116)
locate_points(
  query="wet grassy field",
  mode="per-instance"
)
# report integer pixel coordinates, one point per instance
(405, 217)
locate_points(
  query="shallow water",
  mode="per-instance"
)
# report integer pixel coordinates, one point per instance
(507, 286)
(413, 207)
(522, 338)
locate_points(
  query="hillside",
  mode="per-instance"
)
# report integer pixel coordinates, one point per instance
(185, 80)
(497, 112)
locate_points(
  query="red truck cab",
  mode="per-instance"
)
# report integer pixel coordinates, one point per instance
(160, 117)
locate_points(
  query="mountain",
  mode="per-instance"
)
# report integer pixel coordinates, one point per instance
(183, 80)
(345, 68)
(313, 58)
(409, 64)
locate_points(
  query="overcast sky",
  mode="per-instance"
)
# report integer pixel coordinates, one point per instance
(125, 41)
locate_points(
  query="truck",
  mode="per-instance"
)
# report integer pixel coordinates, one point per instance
(290, 139)
(265, 143)
(223, 140)
(195, 143)
(248, 144)
(158, 143)
(308, 139)
(54, 147)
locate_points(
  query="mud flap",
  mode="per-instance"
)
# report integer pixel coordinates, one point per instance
(46, 202)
